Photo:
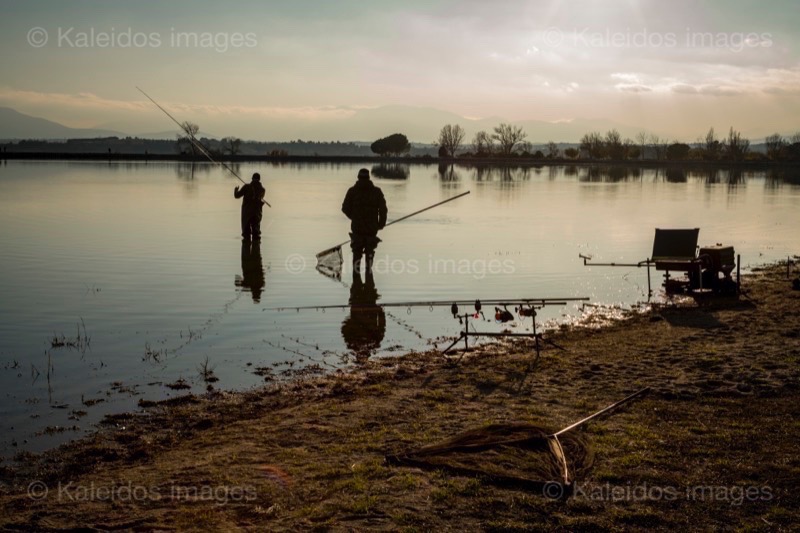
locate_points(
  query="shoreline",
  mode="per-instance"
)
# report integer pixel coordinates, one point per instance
(311, 450)
(426, 160)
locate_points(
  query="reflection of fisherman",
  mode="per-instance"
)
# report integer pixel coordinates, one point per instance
(252, 278)
(365, 206)
(364, 328)
(252, 195)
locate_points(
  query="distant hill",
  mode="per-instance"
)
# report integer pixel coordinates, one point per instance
(365, 125)
(16, 125)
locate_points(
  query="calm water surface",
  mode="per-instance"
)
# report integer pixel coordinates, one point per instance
(145, 261)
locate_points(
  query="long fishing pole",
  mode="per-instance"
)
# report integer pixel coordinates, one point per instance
(334, 248)
(444, 303)
(197, 144)
(601, 412)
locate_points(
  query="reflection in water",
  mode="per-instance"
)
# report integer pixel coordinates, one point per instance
(391, 171)
(365, 326)
(503, 175)
(187, 172)
(252, 278)
(448, 174)
(675, 175)
(611, 173)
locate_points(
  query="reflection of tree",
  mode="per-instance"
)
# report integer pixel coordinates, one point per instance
(736, 177)
(391, 171)
(777, 177)
(609, 173)
(448, 174)
(188, 171)
(675, 175)
(252, 278)
(505, 175)
(364, 328)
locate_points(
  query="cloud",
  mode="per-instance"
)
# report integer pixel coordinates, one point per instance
(683, 88)
(633, 88)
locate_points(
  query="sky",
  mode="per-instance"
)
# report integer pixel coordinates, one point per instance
(674, 67)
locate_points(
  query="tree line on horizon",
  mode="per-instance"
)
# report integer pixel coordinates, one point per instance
(508, 140)
(505, 141)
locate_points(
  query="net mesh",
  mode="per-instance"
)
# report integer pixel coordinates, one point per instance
(508, 454)
(330, 263)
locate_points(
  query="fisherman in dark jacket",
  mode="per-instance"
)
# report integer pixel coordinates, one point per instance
(252, 195)
(365, 206)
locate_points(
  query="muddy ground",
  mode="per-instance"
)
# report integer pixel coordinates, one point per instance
(713, 445)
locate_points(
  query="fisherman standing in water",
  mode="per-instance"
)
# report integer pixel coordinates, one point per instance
(365, 206)
(252, 195)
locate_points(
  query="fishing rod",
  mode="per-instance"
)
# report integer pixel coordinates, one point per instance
(197, 144)
(444, 303)
(333, 249)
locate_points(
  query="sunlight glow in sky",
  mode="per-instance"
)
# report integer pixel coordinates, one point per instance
(258, 69)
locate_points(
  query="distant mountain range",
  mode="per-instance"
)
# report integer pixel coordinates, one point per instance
(419, 124)
(15, 125)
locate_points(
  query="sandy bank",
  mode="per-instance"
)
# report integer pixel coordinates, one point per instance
(722, 416)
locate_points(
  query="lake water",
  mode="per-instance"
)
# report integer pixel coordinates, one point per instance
(141, 267)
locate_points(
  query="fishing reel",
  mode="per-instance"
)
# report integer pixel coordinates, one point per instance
(526, 311)
(503, 315)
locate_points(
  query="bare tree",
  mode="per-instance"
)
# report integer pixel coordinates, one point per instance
(629, 149)
(482, 143)
(188, 139)
(593, 144)
(450, 138)
(614, 148)
(775, 144)
(231, 145)
(795, 137)
(507, 136)
(552, 150)
(737, 146)
(641, 140)
(657, 144)
(712, 145)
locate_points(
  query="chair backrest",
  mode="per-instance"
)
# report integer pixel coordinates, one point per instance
(680, 244)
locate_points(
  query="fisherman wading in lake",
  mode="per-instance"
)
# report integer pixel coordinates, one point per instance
(365, 206)
(252, 195)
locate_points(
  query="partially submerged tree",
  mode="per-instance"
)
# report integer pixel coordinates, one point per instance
(678, 151)
(641, 140)
(593, 144)
(552, 150)
(737, 146)
(775, 145)
(394, 144)
(712, 146)
(507, 136)
(482, 144)
(231, 145)
(450, 138)
(657, 144)
(185, 143)
(613, 145)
